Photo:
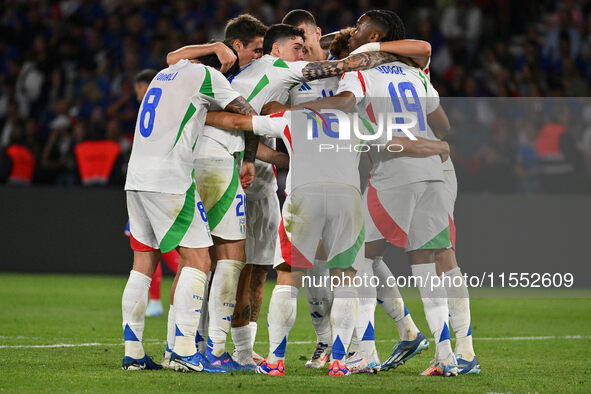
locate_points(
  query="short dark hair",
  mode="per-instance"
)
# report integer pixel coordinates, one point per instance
(278, 32)
(297, 17)
(245, 28)
(213, 61)
(389, 23)
(145, 76)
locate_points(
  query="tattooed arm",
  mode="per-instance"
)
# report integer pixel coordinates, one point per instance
(251, 141)
(358, 62)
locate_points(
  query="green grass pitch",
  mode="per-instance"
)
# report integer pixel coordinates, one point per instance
(52, 309)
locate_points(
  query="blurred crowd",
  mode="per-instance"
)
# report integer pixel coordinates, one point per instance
(67, 68)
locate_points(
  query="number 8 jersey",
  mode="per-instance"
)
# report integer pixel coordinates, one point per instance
(390, 90)
(170, 120)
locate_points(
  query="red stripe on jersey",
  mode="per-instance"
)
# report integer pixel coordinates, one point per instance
(292, 256)
(278, 114)
(360, 76)
(370, 113)
(138, 246)
(452, 232)
(385, 224)
(288, 136)
(274, 170)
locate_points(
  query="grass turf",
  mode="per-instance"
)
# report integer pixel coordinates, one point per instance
(52, 309)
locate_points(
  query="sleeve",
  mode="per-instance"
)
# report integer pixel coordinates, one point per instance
(270, 125)
(432, 98)
(353, 82)
(292, 70)
(216, 88)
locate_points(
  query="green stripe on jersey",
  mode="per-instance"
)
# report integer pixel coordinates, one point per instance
(280, 63)
(217, 212)
(346, 259)
(260, 85)
(179, 228)
(206, 87)
(440, 241)
(424, 80)
(190, 112)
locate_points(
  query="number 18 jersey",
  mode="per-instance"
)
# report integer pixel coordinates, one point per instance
(171, 118)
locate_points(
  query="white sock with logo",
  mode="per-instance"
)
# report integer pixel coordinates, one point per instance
(222, 301)
(436, 311)
(133, 307)
(458, 301)
(282, 314)
(343, 316)
(188, 300)
(320, 302)
(201, 335)
(364, 328)
(391, 301)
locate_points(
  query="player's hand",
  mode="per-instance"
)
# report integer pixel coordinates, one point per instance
(273, 107)
(246, 174)
(225, 55)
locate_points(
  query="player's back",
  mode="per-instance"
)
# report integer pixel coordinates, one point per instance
(317, 156)
(398, 89)
(170, 119)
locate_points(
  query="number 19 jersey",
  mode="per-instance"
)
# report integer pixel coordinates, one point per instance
(389, 90)
(171, 118)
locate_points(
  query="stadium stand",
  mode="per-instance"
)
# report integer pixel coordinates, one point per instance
(73, 63)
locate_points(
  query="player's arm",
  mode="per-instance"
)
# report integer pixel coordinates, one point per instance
(422, 147)
(439, 122)
(271, 156)
(358, 62)
(344, 101)
(251, 141)
(230, 121)
(418, 51)
(224, 54)
(327, 39)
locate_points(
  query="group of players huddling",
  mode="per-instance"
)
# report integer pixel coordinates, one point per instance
(191, 187)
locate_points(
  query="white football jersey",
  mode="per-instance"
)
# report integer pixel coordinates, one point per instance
(170, 119)
(313, 90)
(260, 81)
(396, 88)
(311, 139)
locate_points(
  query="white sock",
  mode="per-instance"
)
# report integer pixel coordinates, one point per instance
(133, 307)
(343, 316)
(391, 301)
(201, 334)
(319, 302)
(364, 328)
(253, 333)
(188, 300)
(222, 301)
(458, 301)
(282, 314)
(170, 332)
(242, 341)
(436, 311)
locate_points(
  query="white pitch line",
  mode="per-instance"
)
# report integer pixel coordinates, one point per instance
(152, 341)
